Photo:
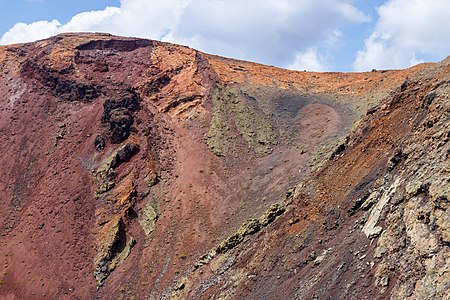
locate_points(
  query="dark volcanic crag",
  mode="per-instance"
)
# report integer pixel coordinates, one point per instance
(135, 169)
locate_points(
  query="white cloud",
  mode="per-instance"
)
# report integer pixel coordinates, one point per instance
(100, 20)
(350, 12)
(139, 18)
(310, 60)
(406, 31)
(22, 32)
(269, 31)
(277, 32)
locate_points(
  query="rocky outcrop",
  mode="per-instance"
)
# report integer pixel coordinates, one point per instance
(381, 202)
(135, 169)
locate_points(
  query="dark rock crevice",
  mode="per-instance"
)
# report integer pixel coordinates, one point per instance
(122, 45)
(118, 113)
(62, 88)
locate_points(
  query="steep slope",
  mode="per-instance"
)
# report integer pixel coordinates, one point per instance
(373, 223)
(138, 169)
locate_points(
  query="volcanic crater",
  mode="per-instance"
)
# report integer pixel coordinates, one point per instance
(136, 169)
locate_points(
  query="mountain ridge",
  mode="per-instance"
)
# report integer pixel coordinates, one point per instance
(126, 160)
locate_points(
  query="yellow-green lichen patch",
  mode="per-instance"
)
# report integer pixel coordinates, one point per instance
(119, 156)
(122, 255)
(113, 247)
(147, 219)
(250, 227)
(105, 171)
(269, 215)
(254, 127)
(236, 119)
(217, 136)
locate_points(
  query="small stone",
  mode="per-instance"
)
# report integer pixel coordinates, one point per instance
(384, 281)
(180, 286)
(319, 259)
(294, 221)
(99, 143)
(375, 232)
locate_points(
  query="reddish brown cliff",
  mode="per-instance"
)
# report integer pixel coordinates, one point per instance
(137, 169)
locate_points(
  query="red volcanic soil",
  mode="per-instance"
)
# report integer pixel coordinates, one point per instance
(125, 160)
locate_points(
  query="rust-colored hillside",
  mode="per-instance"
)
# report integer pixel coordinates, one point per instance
(135, 169)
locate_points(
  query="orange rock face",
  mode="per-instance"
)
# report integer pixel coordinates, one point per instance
(135, 169)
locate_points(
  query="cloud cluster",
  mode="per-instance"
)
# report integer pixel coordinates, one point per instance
(310, 59)
(293, 33)
(270, 31)
(407, 32)
(297, 34)
(139, 18)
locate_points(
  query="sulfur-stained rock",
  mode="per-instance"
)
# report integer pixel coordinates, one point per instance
(274, 211)
(124, 192)
(112, 248)
(375, 232)
(250, 227)
(422, 238)
(147, 219)
(371, 200)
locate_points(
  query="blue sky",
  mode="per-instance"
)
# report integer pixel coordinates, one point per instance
(28, 11)
(318, 35)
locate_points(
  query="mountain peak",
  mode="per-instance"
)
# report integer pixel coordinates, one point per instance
(137, 168)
